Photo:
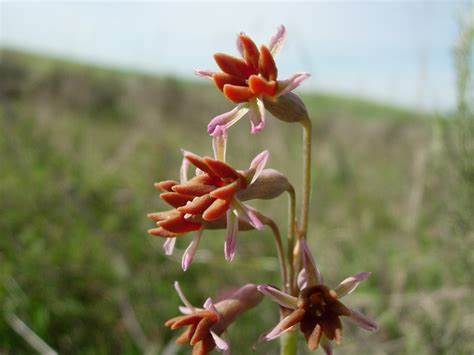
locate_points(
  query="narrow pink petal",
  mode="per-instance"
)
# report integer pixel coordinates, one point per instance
(240, 48)
(257, 116)
(183, 171)
(302, 279)
(284, 325)
(219, 143)
(210, 306)
(227, 119)
(185, 310)
(363, 321)
(182, 296)
(188, 255)
(278, 296)
(312, 273)
(285, 86)
(277, 40)
(350, 284)
(204, 73)
(230, 245)
(221, 344)
(168, 245)
(248, 214)
(258, 163)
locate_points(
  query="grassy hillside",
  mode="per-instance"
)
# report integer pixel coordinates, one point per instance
(80, 148)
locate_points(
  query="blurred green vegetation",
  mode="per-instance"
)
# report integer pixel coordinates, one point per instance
(81, 146)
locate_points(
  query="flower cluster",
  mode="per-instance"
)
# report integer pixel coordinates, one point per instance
(216, 197)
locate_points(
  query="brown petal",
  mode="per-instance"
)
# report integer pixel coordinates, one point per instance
(261, 86)
(251, 53)
(193, 189)
(216, 210)
(198, 205)
(202, 330)
(176, 199)
(188, 319)
(179, 225)
(165, 185)
(223, 78)
(237, 94)
(329, 324)
(340, 309)
(315, 337)
(232, 65)
(198, 162)
(222, 169)
(226, 192)
(267, 64)
(204, 347)
(159, 216)
(186, 336)
(163, 233)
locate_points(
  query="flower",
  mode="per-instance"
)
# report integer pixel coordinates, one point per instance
(205, 200)
(250, 80)
(317, 308)
(206, 325)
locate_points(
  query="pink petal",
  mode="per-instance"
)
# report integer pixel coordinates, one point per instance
(258, 163)
(350, 284)
(219, 143)
(221, 344)
(312, 273)
(257, 116)
(230, 245)
(210, 306)
(188, 255)
(204, 73)
(182, 296)
(285, 86)
(302, 279)
(363, 321)
(240, 48)
(277, 40)
(168, 245)
(185, 310)
(183, 171)
(248, 214)
(227, 119)
(278, 296)
(282, 327)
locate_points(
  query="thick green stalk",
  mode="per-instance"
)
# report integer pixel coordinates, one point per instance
(289, 344)
(307, 140)
(291, 287)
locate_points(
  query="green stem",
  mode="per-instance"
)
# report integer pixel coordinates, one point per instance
(289, 344)
(279, 245)
(307, 140)
(291, 287)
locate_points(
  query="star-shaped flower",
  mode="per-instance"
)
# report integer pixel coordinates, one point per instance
(204, 326)
(207, 200)
(318, 308)
(250, 80)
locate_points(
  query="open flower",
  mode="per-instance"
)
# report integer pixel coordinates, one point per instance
(250, 80)
(204, 326)
(205, 200)
(317, 308)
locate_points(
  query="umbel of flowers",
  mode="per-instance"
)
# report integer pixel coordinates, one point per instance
(216, 195)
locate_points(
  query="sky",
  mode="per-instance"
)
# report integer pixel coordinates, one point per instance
(394, 52)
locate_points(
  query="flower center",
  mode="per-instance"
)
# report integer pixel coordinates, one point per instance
(316, 300)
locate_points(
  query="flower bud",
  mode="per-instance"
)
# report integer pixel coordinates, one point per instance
(289, 108)
(269, 184)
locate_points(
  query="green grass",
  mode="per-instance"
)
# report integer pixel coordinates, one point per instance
(80, 148)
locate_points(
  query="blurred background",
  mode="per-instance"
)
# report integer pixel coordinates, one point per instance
(96, 98)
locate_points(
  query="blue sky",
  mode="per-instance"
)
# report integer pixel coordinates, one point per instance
(398, 52)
